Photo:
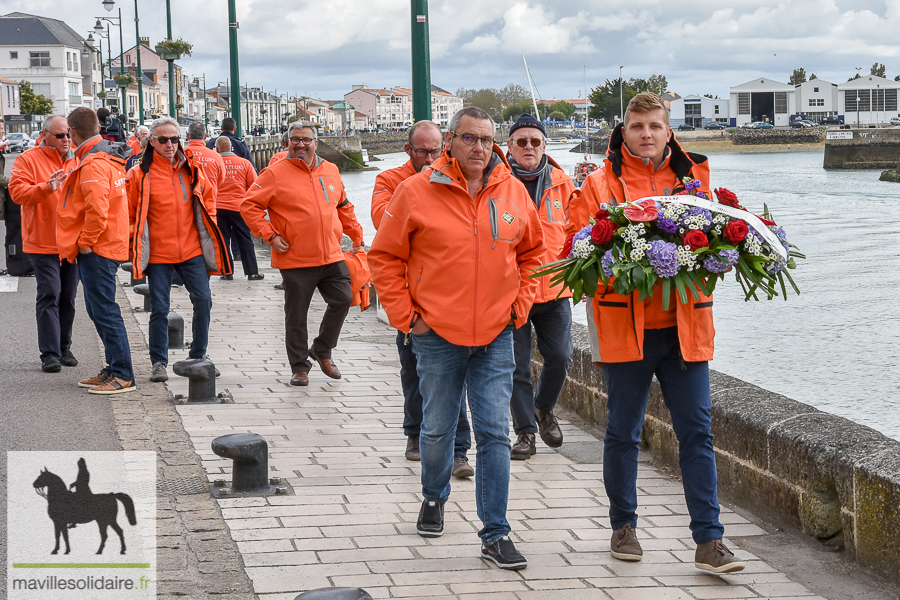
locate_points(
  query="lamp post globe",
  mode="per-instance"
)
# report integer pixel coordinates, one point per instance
(108, 5)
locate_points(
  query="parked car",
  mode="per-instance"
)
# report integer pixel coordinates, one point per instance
(761, 125)
(4, 144)
(685, 127)
(895, 120)
(831, 121)
(716, 125)
(17, 142)
(33, 140)
(803, 124)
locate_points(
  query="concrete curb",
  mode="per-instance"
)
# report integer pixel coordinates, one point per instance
(196, 557)
(834, 479)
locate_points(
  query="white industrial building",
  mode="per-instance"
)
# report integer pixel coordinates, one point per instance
(868, 100)
(698, 111)
(762, 100)
(817, 99)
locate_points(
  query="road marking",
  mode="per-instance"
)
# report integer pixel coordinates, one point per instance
(9, 284)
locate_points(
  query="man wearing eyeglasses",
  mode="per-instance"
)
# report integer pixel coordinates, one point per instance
(551, 314)
(451, 263)
(308, 211)
(424, 145)
(173, 209)
(35, 183)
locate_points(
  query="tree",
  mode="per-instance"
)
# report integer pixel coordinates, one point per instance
(857, 76)
(514, 111)
(605, 99)
(878, 70)
(513, 93)
(798, 76)
(487, 100)
(897, 78)
(565, 108)
(813, 76)
(31, 103)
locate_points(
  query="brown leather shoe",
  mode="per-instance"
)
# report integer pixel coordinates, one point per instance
(715, 557)
(524, 448)
(327, 365)
(625, 546)
(300, 378)
(548, 426)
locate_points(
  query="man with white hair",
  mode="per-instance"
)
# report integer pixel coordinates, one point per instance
(172, 210)
(141, 133)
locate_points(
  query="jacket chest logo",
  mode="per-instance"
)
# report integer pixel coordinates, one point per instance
(331, 188)
(508, 218)
(557, 204)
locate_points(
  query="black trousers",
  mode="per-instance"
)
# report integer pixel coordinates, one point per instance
(57, 285)
(333, 282)
(235, 231)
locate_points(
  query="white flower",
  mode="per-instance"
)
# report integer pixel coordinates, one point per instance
(582, 248)
(639, 250)
(686, 258)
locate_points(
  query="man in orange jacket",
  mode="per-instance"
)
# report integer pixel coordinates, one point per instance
(279, 155)
(551, 314)
(424, 145)
(172, 212)
(308, 210)
(239, 175)
(209, 159)
(92, 227)
(35, 183)
(638, 339)
(451, 263)
(134, 142)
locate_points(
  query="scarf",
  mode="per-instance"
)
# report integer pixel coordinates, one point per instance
(538, 173)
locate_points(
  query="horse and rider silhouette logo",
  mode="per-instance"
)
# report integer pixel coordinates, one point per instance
(70, 508)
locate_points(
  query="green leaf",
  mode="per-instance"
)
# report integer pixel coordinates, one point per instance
(591, 277)
(679, 283)
(577, 292)
(791, 281)
(666, 291)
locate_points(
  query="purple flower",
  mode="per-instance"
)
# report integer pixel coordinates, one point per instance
(585, 233)
(667, 224)
(778, 264)
(780, 234)
(663, 258)
(721, 262)
(607, 263)
(701, 195)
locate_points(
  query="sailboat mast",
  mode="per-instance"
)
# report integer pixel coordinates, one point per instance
(537, 115)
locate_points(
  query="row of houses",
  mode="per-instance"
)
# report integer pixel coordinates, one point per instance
(393, 107)
(863, 101)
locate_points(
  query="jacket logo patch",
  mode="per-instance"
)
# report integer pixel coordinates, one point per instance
(508, 218)
(557, 204)
(331, 188)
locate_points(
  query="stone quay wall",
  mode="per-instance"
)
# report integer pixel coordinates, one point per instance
(793, 464)
(747, 137)
(345, 152)
(862, 149)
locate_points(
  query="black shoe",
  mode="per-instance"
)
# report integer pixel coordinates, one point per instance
(51, 365)
(226, 277)
(431, 519)
(256, 276)
(68, 359)
(278, 286)
(412, 448)
(504, 554)
(524, 447)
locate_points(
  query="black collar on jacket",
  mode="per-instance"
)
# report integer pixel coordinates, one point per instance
(681, 161)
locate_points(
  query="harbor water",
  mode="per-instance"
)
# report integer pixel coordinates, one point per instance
(837, 345)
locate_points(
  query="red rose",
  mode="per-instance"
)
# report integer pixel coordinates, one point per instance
(601, 214)
(767, 222)
(567, 247)
(602, 231)
(736, 231)
(727, 198)
(641, 212)
(696, 239)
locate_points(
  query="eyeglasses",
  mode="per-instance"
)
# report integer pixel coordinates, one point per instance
(60, 136)
(166, 139)
(522, 142)
(423, 152)
(469, 140)
(304, 141)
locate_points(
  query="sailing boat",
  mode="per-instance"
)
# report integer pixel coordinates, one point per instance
(586, 166)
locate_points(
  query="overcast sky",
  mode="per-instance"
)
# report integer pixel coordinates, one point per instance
(322, 47)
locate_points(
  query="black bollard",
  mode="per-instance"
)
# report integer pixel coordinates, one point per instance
(250, 453)
(201, 374)
(143, 289)
(342, 593)
(176, 331)
(129, 268)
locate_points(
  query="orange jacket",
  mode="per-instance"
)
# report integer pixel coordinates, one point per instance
(28, 187)
(552, 209)
(461, 263)
(307, 207)
(360, 278)
(620, 319)
(210, 160)
(276, 157)
(171, 210)
(385, 184)
(93, 210)
(239, 176)
(135, 145)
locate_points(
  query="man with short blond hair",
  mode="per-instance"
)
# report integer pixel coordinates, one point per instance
(35, 183)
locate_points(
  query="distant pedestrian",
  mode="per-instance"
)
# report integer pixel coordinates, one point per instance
(174, 230)
(239, 175)
(229, 125)
(308, 210)
(451, 263)
(551, 314)
(35, 184)
(278, 156)
(425, 144)
(92, 227)
(140, 133)
(209, 160)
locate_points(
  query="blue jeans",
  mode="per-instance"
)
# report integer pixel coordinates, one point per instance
(196, 282)
(98, 280)
(685, 390)
(412, 400)
(445, 370)
(553, 325)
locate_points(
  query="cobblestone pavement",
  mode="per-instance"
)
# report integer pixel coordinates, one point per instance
(351, 520)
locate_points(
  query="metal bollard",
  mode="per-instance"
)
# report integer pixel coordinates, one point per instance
(250, 455)
(201, 374)
(129, 268)
(176, 331)
(143, 289)
(342, 593)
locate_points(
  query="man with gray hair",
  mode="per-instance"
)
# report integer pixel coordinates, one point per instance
(209, 159)
(308, 211)
(451, 262)
(35, 183)
(172, 214)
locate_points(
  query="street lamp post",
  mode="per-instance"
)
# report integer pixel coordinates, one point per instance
(235, 74)
(98, 29)
(621, 103)
(171, 62)
(90, 42)
(108, 5)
